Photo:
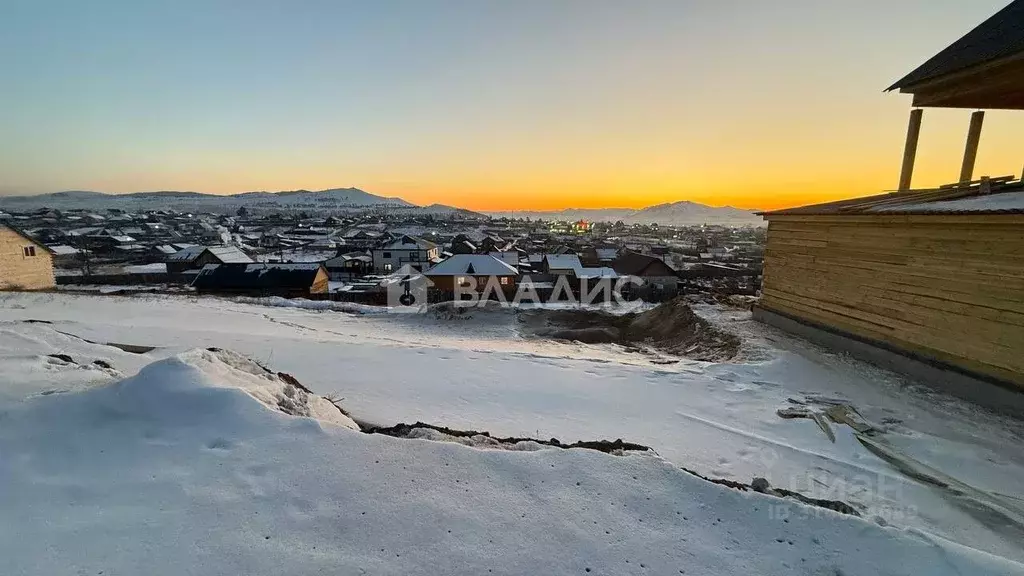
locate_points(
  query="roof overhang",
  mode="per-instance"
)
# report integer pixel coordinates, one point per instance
(998, 84)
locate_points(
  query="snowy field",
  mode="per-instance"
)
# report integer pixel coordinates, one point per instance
(168, 472)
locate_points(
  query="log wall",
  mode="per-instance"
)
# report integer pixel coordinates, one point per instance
(945, 287)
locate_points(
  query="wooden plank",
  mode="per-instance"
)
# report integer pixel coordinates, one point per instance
(975, 248)
(955, 348)
(968, 291)
(829, 320)
(994, 233)
(932, 266)
(939, 218)
(910, 148)
(998, 339)
(940, 304)
(870, 303)
(980, 306)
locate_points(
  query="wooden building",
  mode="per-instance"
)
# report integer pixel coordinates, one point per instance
(24, 263)
(286, 280)
(411, 251)
(935, 275)
(472, 272)
(196, 257)
(349, 265)
(651, 270)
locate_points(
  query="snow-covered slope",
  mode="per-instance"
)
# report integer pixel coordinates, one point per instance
(180, 470)
(693, 213)
(480, 372)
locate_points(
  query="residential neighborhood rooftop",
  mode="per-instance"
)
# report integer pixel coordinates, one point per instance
(472, 265)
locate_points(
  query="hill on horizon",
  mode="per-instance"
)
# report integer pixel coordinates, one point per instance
(332, 200)
(681, 213)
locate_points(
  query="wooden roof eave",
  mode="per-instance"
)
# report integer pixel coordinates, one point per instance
(997, 84)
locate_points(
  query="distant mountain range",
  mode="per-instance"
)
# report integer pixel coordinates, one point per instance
(335, 200)
(342, 200)
(683, 213)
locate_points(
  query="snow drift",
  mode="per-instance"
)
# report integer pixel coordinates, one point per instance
(190, 467)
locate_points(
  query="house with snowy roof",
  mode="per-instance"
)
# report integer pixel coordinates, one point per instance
(196, 257)
(472, 271)
(561, 264)
(413, 251)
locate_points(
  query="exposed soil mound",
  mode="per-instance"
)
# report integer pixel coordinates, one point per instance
(672, 327)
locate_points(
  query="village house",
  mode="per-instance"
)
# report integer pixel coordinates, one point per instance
(461, 244)
(196, 257)
(926, 281)
(24, 263)
(472, 272)
(350, 265)
(65, 256)
(415, 252)
(561, 264)
(596, 256)
(651, 271)
(363, 238)
(285, 280)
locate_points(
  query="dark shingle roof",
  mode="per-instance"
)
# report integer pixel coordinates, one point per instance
(1000, 36)
(631, 263)
(256, 276)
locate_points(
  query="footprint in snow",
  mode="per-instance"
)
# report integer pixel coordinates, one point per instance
(220, 444)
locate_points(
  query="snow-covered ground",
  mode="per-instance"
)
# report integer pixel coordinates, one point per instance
(207, 484)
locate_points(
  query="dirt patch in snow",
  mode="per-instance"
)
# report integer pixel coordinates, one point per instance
(130, 348)
(671, 328)
(484, 439)
(761, 485)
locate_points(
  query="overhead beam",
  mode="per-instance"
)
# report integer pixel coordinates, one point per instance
(971, 148)
(910, 148)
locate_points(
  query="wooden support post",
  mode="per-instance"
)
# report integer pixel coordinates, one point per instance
(910, 149)
(971, 150)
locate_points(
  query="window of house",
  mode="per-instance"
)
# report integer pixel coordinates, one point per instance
(505, 280)
(29, 250)
(387, 267)
(386, 255)
(460, 279)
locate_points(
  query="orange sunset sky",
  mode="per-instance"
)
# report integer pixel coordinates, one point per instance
(485, 105)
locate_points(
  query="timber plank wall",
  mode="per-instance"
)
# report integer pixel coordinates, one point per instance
(946, 287)
(19, 271)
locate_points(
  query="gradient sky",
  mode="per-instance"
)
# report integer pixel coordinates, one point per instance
(485, 104)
